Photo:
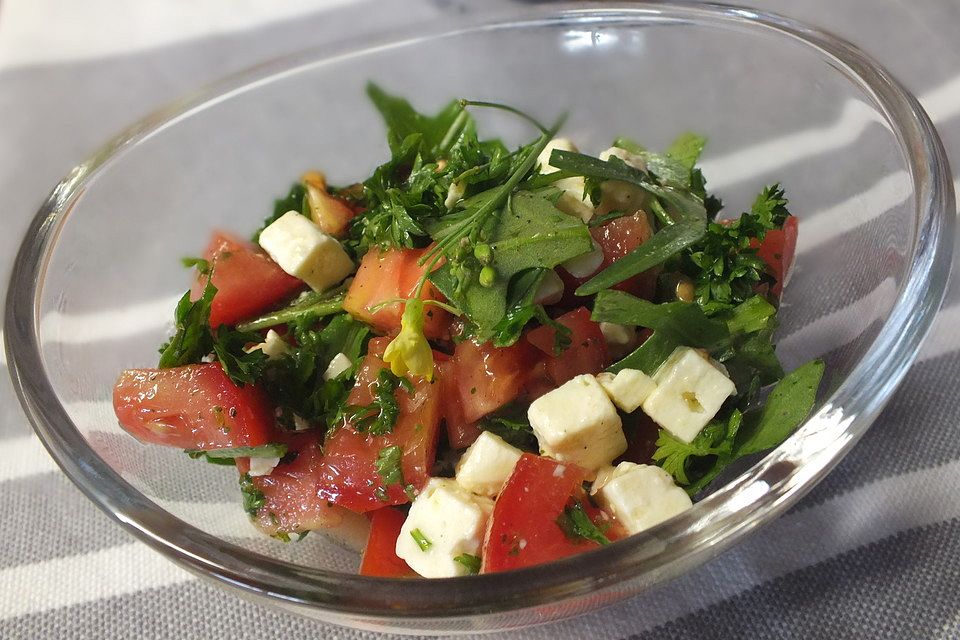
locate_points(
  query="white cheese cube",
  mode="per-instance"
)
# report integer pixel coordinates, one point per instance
(577, 423)
(690, 390)
(620, 338)
(641, 496)
(304, 251)
(550, 290)
(340, 363)
(448, 521)
(571, 199)
(273, 345)
(262, 466)
(628, 388)
(587, 264)
(487, 464)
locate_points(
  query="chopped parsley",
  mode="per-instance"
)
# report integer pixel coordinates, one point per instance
(421, 540)
(470, 561)
(578, 526)
(379, 417)
(253, 498)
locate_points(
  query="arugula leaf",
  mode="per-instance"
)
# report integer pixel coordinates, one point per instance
(402, 120)
(520, 307)
(530, 233)
(314, 304)
(686, 149)
(241, 366)
(648, 356)
(786, 407)
(253, 498)
(263, 451)
(628, 144)
(295, 200)
(470, 561)
(193, 339)
(684, 322)
(578, 526)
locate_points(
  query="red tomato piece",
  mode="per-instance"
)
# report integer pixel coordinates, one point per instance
(291, 502)
(460, 433)
(380, 555)
(248, 282)
(387, 275)
(488, 377)
(349, 475)
(777, 251)
(192, 407)
(587, 352)
(523, 529)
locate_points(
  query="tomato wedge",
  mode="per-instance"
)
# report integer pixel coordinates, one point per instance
(380, 555)
(348, 471)
(587, 352)
(385, 276)
(248, 282)
(777, 251)
(192, 407)
(290, 500)
(487, 377)
(460, 433)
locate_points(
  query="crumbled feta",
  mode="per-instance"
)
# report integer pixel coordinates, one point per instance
(449, 521)
(584, 266)
(550, 290)
(630, 159)
(620, 338)
(628, 388)
(454, 193)
(640, 495)
(262, 466)
(572, 200)
(578, 423)
(273, 345)
(340, 363)
(487, 464)
(690, 390)
(304, 251)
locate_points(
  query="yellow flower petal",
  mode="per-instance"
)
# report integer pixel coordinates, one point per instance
(410, 352)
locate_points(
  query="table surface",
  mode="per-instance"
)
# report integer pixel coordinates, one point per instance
(872, 552)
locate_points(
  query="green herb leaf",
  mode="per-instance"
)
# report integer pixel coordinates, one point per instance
(378, 417)
(578, 526)
(193, 339)
(470, 561)
(648, 356)
(240, 366)
(295, 200)
(686, 149)
(253, 498)
(388, 465)
(684, 322)
(421, 540)
(314, 304)
(263, 451)
(202, 266)
(511, 424)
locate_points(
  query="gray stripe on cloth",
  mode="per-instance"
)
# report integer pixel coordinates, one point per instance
(901, 587)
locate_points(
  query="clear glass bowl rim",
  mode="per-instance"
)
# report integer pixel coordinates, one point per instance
(723, 518)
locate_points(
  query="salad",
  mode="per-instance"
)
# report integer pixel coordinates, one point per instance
(501, 357)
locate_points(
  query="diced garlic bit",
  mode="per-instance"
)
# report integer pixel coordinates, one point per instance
(690, 390)
(584, 266)
(487, 464)
(451, 520)
(620, 338)
(578, 423)
(454, 194)
(262, 466)
(550, 290)
(340, 363)
(640, 495)
(273, 345)
(304, 251)
(571, 199)
(628, 388)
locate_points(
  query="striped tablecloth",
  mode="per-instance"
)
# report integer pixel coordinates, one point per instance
(872, 552)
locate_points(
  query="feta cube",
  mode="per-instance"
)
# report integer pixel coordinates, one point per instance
(620, 338)
(448, 521)
(628, 388)
(273, 345)
(304, 251)
(340, 363)
(571, 199)
(262, 466)
(690, 390)
(578, 423)
(487, 464)
(550, 290)
(641, 496)
(587, 264)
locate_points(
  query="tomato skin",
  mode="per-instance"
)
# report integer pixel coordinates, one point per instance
(380, 555)
(488, 377)
(248, 282)
(587, 352)
(460, 433)
(348, 475)
(387, 275)
(523, 529)
(291, 502)
(777, 251)
(192, 407)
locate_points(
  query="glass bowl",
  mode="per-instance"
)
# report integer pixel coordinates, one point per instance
(97, 276)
